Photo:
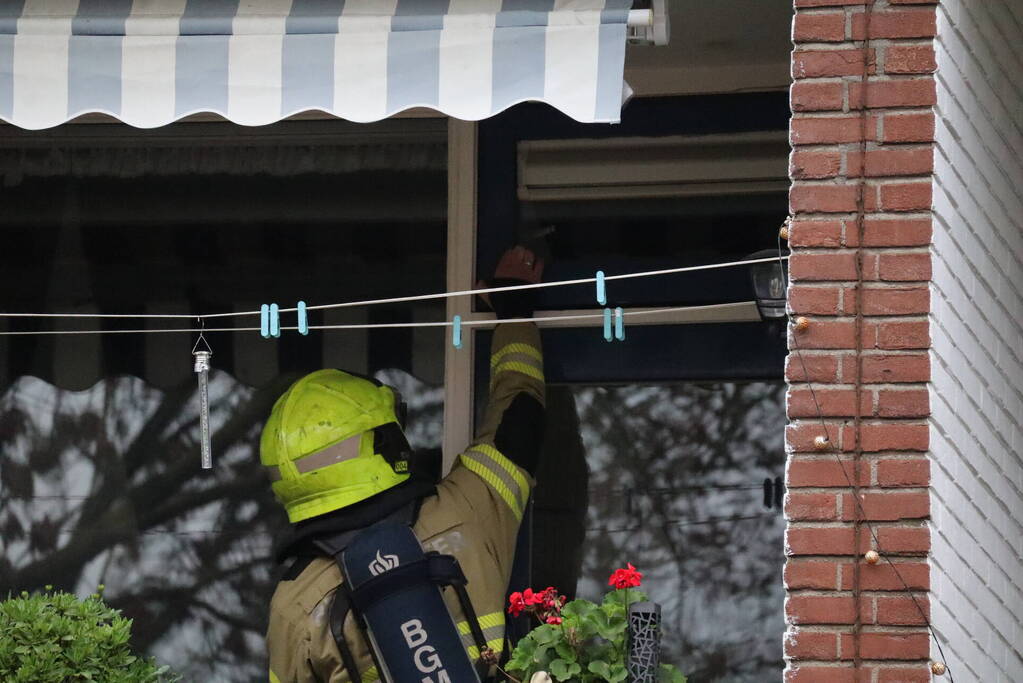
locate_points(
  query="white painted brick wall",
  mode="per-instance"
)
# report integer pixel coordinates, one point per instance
(977, 341)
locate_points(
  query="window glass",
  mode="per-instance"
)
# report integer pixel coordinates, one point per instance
(100, 482)
(624, 236)
(657, 447)
(671, 479)
(102, 487)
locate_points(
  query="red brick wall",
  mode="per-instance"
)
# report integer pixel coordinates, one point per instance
(861, 171)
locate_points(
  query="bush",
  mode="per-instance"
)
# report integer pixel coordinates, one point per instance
(55, 637)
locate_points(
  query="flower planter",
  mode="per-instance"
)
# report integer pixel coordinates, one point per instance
(583, 642)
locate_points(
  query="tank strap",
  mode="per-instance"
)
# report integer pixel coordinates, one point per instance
(339, 610)
(474, 627)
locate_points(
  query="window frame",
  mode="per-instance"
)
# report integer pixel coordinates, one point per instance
(459, 364)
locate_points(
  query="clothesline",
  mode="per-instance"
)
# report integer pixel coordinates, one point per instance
(372, 326)
(368, 302)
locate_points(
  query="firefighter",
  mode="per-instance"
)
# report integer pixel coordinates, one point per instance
(337, 456)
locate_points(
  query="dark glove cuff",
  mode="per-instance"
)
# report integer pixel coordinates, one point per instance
(518, 303)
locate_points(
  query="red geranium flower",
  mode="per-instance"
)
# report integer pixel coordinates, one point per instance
(553, 619)
(549, 598)
(543, 604)
(516, 603)
(625, 578)
(532, 598)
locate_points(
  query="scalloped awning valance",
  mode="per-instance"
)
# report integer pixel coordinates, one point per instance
(151, 62)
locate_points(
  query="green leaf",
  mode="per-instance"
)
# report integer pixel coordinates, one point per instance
(526, 647)
(584, 628)
(618, 673)
(543, 656)
(565, 651)
(562, 670)
(546, 634)
(601, 668)
(666, 673)
(611, 627)
(624, 597)
(578, 608)
(522, 656)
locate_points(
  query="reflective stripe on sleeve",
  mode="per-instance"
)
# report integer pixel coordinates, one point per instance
(500, 473)
(517, 357)
(518, 348)
(493, 632)
(518, 366)
(497, 645)
(273, 677)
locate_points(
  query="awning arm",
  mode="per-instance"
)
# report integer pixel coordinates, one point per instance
(650, 26)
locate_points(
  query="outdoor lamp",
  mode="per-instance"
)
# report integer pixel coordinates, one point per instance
(769, 282)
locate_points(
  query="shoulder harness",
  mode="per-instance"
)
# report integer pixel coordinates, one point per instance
(392, 588)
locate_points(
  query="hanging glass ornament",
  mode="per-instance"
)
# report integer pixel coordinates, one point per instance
(202, 369)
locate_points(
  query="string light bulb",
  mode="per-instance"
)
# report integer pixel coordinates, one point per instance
(783, 232)
(872, 557)
(802, 324)
(938, 668)
(821, 443)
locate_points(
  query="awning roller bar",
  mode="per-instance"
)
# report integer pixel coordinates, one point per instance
(641, 17)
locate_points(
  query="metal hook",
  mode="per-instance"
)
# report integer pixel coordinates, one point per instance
(202, 328)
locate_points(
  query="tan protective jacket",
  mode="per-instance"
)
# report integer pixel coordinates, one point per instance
(475, 516)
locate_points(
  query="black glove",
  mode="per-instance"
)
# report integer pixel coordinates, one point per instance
(518, 303)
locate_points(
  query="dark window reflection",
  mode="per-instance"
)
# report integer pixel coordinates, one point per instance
(670, 478)
(580, 229)
(624, 236)
(103, 487)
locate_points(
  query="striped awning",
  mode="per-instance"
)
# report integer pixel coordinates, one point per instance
(150, 62)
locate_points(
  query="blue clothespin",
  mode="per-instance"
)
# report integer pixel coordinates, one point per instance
(264, 321)
(601, 290)
(303, 319)
(619, 324)
(275, 321)
(456, 332)
(607, 325)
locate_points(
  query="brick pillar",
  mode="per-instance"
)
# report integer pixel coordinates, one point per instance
(860, 269)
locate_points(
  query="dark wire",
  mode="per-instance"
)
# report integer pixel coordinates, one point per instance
(686, 522)
(848, 479)
(594, 493)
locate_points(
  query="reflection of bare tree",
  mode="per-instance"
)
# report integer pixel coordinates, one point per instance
(104, 486)
(675, 481)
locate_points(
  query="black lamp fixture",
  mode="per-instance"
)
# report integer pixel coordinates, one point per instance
(769, 283)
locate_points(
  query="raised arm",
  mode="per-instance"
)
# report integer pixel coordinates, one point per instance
(506, 449)
(493, 476)
(513, 421)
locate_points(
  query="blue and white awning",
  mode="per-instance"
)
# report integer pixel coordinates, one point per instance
(150, 62)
